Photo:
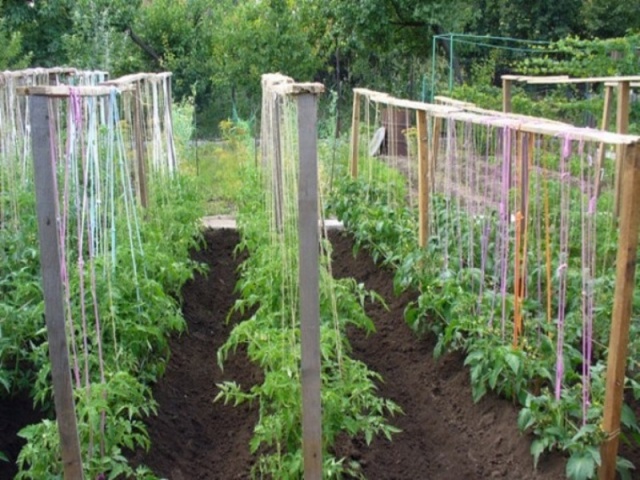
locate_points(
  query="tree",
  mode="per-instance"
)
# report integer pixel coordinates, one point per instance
(608, 19)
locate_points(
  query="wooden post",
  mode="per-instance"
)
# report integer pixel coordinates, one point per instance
(622, 126)
(355, 132)
(309, 287)
(47, 210)
(423, 178)
(629, 222)
(506, 94)
(139, 139)
(606, 118)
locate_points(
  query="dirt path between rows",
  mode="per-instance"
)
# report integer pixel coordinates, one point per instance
(444, 435)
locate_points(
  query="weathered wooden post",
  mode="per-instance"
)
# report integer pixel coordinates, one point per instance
(423, 178)
(606, 118)
(507, 82)
(629, 222)
(355, 132)
(47, 210)
(309, 280)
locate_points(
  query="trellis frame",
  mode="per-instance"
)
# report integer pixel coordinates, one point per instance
(629, 218)
(308, 214)
(623, 86)
(39, 97)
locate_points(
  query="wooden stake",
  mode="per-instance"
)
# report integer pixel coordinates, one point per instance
(629, 222)
(309, 287)
(506, 94)
(606, 118)
(139, 139)
(423, 178)
(622, 127)
(355, 133)
(47, 210)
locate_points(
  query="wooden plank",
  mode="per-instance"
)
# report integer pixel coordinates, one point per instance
(542, 127)
(423, 178)
(506, 94)
(60, 91)
(606, 118)
(452, 101)
(500, 119)
(355, 133)
(298, 88)
(629, 222)
(309, 287)
(28, 72)
(622, 127)
(526, 78)
(561, 81)
(47, 210)
(136, 77)
(615, 84)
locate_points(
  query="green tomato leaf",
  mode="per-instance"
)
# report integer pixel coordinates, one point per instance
(624, 467)
(513, 361)
(537, 447)
(581, 467)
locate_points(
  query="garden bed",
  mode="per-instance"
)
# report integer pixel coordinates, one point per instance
(444, 434)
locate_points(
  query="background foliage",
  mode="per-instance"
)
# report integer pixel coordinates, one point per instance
(218, 49)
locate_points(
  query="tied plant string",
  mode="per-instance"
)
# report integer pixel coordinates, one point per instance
(133, 230)
(588, 271)
(447, 187)
(503, 251)
(79, 180)
(168, 127)
(565, 185)
(486, 217)
(538, 226)
(459, 191)
(83, 193)
(472, 203)
(92, 192)
(73, 122)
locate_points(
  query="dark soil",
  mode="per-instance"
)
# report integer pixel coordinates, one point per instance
(444, 434)
(15, 414)
(192, 437)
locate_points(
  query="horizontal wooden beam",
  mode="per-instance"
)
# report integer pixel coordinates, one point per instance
(562, 79)
(298, 88)
(61, 91)
(29, 72)
(137, 77)
(481, 116)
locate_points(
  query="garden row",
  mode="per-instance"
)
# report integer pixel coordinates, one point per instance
(122, 267)
(517, 271)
